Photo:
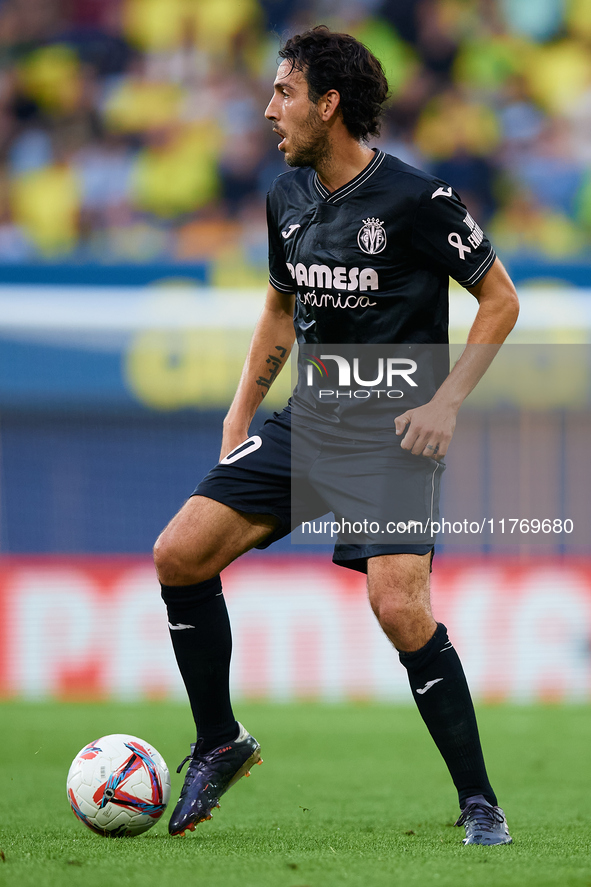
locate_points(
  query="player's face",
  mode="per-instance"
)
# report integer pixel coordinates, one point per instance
(304, 136)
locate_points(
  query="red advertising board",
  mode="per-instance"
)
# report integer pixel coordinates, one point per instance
(92, 627)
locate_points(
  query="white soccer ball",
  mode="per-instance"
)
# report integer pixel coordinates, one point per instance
(118, 785)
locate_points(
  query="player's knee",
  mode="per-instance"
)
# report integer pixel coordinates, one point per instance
(394, 611)
(172, 566)
(164, 561)
(404, 619)
(383, 601)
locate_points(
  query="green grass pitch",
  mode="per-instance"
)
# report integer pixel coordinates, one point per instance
(348, 795)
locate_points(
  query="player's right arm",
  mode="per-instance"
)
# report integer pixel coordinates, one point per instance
(268, 353)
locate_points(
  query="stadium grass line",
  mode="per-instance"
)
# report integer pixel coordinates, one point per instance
(349, 794)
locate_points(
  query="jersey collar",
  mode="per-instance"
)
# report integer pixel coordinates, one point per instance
(359, 180)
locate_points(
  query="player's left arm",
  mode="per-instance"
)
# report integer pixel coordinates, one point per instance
(428, 429)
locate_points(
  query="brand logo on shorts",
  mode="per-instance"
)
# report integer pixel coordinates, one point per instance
(371, 239)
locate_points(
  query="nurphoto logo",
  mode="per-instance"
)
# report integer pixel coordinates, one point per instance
(387, 371)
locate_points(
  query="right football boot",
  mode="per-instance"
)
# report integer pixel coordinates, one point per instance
(210, 774)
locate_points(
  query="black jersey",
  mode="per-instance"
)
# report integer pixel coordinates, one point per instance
(371, 261)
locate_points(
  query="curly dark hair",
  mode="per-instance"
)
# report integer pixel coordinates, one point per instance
(330, 60)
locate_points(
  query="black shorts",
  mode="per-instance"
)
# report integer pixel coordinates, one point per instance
(261, 476)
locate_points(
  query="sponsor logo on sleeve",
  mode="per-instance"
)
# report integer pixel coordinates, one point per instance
(290, 230)
(441, 192)
(476, 235)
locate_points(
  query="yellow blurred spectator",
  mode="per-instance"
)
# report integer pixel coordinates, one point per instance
(51, 76)
(203, 239)
(557, 74)
(488, 62)
(46, 203)
(578, 18)
(524, 226)
(159, 25)
(177, 173)
(139, 104)
(218, 23)
(451, 124)
(458, 17)
(399, 60)
(232, 267)
(584, 203)
(153, 24)
(135, 242)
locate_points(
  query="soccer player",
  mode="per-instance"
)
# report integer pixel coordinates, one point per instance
(361, 247)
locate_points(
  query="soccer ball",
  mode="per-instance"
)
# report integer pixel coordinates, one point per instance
(118, 785)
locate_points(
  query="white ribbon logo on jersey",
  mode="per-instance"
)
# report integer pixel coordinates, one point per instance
(372, 237)
(454, 239)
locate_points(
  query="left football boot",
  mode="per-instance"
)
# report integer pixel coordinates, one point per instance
(484, 823)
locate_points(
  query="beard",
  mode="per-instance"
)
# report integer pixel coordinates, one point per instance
(311, 146)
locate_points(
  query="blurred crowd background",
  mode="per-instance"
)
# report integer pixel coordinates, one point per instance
(133, 130)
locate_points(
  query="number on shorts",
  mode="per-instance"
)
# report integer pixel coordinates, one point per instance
(243, 449)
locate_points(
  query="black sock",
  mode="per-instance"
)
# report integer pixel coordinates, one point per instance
(442, 696)
(202, 642)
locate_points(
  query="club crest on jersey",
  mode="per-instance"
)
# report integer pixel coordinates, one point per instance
(372, 237)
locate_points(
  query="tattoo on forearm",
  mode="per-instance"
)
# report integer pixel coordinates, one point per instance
(274, 363)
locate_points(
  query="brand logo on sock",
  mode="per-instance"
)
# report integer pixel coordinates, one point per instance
(179, 627)
(428, 686)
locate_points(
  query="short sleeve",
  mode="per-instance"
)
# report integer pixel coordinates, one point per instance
(279, 276)
(445, 232)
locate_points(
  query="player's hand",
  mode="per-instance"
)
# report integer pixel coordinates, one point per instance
(427, 430)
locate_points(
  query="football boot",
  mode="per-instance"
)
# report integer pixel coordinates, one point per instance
(484, 823)
(210, 774)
